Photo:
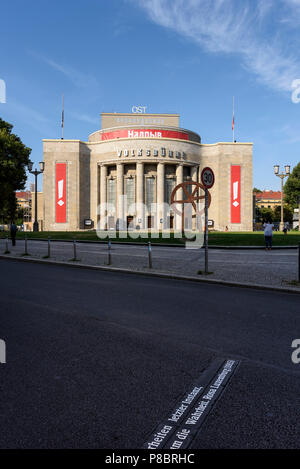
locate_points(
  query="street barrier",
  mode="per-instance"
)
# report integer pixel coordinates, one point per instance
(109, 252)
(299, 263)
(7, 250)
(149, 255)
(75, 250)
(49, 246)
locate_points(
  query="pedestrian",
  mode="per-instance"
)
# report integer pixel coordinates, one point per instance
(268, 232)
(13, 232)
(285, 228)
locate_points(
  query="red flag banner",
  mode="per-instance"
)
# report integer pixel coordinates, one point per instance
(61, 193)
(144, 133)
(235, 194)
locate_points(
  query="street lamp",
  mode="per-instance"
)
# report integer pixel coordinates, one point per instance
(36, 173)
(282, 175)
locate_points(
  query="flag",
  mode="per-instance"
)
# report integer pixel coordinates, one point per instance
(62, 118)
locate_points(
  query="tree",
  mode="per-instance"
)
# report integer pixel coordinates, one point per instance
(264, 214)
(292, 187)
(256, 191)
(14, 157)
(287, 213)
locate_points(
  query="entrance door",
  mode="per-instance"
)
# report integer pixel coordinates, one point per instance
(150, 221)
(129, 222)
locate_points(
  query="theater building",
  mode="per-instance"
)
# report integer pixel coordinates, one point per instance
(142, 156)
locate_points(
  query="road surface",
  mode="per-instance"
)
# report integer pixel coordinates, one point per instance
(97, 359)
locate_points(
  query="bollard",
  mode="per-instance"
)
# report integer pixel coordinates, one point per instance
(48, 246)
(109, 252)
(299, 263)
(149, 255)
(26, 250)
(75, 250)
(7, 250)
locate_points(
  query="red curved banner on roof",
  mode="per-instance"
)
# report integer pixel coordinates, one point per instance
(144, 133)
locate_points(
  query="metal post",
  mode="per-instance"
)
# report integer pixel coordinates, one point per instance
(7, 250)
(109, 252)
(281, 210)
(26, 251)
(35, 224)
(48, 246)
(206, 231)
(299, 263)
(75, 251)
(150, 255)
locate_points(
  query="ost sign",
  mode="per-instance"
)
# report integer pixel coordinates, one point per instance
(139, 109)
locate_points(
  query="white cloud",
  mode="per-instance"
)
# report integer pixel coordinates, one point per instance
(235, 28)
(79, 79)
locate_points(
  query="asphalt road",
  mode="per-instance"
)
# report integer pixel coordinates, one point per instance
(96, 359)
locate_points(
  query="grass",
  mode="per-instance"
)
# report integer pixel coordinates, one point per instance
(214, 238)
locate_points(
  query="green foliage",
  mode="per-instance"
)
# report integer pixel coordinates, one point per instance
(292, 188)
(256, 191)
(14, 157)
(264, 214)
(287, 214)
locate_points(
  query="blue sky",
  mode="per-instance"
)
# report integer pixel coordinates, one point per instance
(185, 56)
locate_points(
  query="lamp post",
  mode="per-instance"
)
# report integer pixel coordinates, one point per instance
(36, 173)
(282, 175)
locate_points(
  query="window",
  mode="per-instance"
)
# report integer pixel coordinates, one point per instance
(130, 192)
(169, 186)
(111, 192)
(150, 192)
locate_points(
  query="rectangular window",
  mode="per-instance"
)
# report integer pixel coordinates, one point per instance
(150, 192)
(169, 186)
(111, 192)
(130, 192)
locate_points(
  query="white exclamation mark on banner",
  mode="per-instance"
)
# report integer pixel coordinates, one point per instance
(235, 193)
(60, 192)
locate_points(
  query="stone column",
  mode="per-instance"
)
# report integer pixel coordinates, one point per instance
(194, 176)
(179, 196)
(120, 215)
(103, 199)
(160, 194)
(140, 195)
(194, 173)
(201, 202)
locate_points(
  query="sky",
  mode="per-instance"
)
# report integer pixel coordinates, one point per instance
(184, 56)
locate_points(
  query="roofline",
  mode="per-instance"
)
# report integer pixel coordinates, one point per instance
(132, 114)
(142, 126)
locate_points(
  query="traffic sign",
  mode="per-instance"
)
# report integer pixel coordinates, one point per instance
(207, 177)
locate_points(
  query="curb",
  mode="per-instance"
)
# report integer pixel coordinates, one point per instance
(155, 274)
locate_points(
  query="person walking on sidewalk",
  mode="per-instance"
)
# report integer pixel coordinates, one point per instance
(268, 232)
(13, 232)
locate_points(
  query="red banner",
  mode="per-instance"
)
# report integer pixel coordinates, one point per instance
(235, 194)
(144, 133)
(61, 189)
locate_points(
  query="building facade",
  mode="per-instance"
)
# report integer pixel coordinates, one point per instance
(268, 199)
(142, 156)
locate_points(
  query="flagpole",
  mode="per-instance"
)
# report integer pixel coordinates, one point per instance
(233, 120)
(62, 117)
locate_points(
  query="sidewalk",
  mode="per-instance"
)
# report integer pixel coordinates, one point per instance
(275, 269)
